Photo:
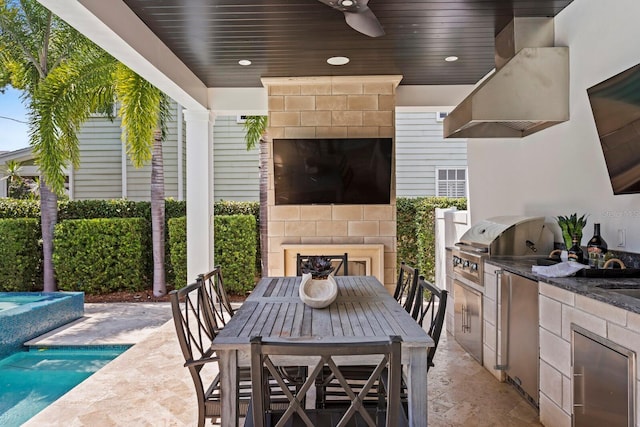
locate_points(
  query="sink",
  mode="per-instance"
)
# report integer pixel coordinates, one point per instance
(629, 290)
(547, 261)
(611, 273)
(603, 273)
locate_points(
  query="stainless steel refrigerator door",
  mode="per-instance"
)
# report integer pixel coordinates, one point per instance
(468, 319)
(519, 315)
(603, 377)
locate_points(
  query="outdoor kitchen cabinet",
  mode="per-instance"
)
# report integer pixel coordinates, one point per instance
(561, 312)
(468, 319)
(520, 336)
(603, 376)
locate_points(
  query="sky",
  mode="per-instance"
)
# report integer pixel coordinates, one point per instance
(13, 134)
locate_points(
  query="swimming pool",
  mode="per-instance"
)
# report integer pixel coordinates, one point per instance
(16, 299)
(32, 380)
(26, 315)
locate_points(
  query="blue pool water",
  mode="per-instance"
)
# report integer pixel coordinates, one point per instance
(10, 300)
(32, 380)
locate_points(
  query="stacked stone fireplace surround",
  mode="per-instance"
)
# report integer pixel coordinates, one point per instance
(331, 107)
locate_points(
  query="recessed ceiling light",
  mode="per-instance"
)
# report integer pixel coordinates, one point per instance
(347, 3)
(244, 62)
(338, 60)
(451, 58)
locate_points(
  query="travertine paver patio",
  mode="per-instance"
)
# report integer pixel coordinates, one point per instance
(148, 386)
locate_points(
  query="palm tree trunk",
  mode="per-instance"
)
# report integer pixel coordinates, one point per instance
(48, 219)
(263, 186)
(157, 217)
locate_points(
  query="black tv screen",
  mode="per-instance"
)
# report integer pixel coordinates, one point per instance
(332, 171)
(615, 104)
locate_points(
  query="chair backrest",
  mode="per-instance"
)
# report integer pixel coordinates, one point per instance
(195, 333)
(216, 297)
(192, 319)
(430, 301)
(340, 262)
(265, 361)
(406, 286)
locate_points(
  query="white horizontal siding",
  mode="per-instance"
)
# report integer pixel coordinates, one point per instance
(99, 175)
(420, 149)
(235, 170)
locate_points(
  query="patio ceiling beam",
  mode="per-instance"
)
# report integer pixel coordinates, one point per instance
(115, 28)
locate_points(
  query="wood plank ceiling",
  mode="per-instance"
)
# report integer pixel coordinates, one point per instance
(292, 38)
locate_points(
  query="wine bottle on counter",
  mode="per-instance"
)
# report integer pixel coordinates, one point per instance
(575, 251)
(596, 246)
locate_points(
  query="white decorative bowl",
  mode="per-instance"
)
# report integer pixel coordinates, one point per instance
(318, 293)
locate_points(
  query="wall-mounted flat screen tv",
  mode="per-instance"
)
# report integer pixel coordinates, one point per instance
(615, 104)
(332, 171)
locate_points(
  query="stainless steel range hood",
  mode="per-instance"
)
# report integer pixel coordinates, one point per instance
(528, 92)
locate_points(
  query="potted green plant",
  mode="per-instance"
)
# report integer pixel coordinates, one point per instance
(570, 226)
(318, 266)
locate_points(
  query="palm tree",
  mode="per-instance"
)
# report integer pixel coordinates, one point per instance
(38, 53)
(17, 187)
(256, 128)
(139, 98)
(64, 78)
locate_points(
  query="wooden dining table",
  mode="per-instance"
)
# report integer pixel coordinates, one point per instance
(362, 310)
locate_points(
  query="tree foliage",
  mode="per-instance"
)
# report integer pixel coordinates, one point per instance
(65, 78)
(254, 127)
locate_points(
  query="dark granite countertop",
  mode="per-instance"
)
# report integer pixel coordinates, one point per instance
(587, 286)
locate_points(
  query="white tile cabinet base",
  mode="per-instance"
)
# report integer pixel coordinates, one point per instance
(559, 309)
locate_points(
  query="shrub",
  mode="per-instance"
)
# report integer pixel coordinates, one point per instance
(20, 253)
(235, 250)
(177, 229)
(426, 231)
(100, 255)
(13, 209)
(407, 239)
(416, 230)
(226, 207)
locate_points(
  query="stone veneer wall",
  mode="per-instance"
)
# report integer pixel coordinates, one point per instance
(559, 309)
(331, 107)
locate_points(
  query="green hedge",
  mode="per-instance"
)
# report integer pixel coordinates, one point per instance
(416, 230)
(235, 249)
(88, 209)
(14, 209)
(21, 255)
(100, 255)
(177, 231)
(225, 207)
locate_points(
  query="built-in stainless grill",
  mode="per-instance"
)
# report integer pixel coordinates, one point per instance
(497, 236)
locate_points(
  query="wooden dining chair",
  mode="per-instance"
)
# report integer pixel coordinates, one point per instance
(195, 330)
(216, 296)
(405, 289)
(432, 302)
(340, 263)
(266, 357)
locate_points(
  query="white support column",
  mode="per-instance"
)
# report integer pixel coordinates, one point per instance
(123, 168)
(4, 184)
(199, 132)
(180, 133)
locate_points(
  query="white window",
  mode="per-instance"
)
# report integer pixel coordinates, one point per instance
(451, 182)
(440, 115)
